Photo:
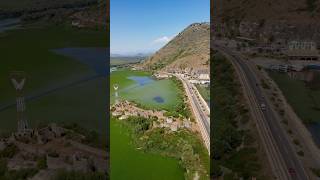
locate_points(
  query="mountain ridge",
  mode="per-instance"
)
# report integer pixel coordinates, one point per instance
(188, 50)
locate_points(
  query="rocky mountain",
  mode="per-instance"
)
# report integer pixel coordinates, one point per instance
(189, 49)
(286, 19)
(297, 11)
(95, 16)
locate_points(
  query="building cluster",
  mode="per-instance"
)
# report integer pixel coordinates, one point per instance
(302, 50)
(286, 68)
(277, 39)
(125, 109)
(195, 76)
(53, 146)
(162, 75)
(60, 147)
(292, 50)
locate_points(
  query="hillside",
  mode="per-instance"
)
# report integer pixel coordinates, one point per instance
(286, 19)
(189, 49)
(297, 11)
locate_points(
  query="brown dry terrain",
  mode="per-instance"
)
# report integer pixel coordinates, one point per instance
(189, 49)
(268, 19)
(297, 11)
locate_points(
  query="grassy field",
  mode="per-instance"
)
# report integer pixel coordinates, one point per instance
(29, 50)
(205, 92)
(305, 102)
(145, 94)
(138, 165)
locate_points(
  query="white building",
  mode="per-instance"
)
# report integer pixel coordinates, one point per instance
(204, 77)
(302, 45)
(302, 50)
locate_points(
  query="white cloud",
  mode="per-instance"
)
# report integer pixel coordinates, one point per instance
(162, 40)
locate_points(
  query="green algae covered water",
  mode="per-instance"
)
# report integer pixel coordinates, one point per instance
(127, 162)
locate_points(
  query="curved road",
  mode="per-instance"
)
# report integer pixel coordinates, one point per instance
(282, 156)
(200, 113)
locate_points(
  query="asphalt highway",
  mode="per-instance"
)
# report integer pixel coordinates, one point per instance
(284, 159)
(200, 113)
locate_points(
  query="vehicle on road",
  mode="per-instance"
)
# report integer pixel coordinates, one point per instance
(292, 172)
(263, 106)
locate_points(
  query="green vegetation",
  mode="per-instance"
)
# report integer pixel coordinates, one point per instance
(92, 138)
(311, 5)
(42, 162)
(76, 175)
(84, 102)
(9, 151)
(167, 89)
(233, 149)
(181, 107)
(264, 84)
(22, 174)
(300, 153)
(114, 61)
(205, 92)
(3, 167)
(182, 145)
(22, 49)
(138, 164)
(304, 100)
(316, 172)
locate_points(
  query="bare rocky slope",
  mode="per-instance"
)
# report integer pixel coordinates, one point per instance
(297, 11)
(286, 19)
(189, 49)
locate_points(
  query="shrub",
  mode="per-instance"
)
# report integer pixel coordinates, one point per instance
(296, 142)
(316, 171)
(3, 167)
(42, 162)
(9, 151)
(300, 153)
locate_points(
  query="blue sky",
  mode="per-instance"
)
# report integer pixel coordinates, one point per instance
(140, 26)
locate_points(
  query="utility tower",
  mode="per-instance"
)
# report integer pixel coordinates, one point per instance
(18, 79)
(116, 87)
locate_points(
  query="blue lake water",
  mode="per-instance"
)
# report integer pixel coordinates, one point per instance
(96, 58)
(8, 24)
(158, 99)
(315, 131)
(141, 80)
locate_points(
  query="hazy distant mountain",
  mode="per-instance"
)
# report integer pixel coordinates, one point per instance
(189, 49)
(131, 54)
